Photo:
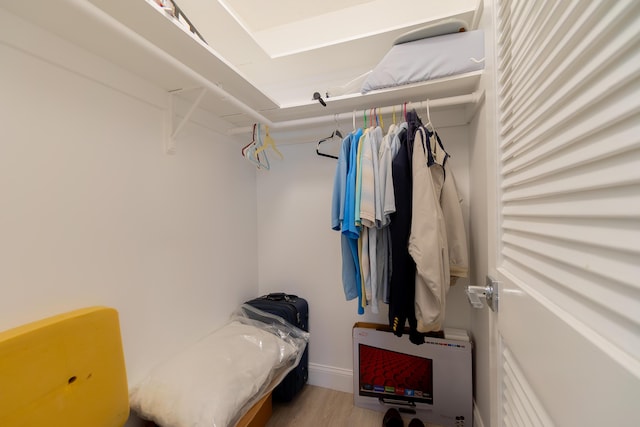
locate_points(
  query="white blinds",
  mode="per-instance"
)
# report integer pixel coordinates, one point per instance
(521, 407)
(569, 130)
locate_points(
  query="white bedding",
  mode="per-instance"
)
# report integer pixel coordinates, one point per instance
(209, 383)
(428, 59)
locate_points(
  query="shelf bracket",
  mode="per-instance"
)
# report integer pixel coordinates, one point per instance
(170, 134)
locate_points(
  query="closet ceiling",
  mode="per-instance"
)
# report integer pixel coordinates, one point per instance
(291, 49)
(271, 55)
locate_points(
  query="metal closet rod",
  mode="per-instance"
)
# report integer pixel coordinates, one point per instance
(472, 98)
(97, 13)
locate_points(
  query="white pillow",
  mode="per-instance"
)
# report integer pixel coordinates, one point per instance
(209, 383)
(427, 59)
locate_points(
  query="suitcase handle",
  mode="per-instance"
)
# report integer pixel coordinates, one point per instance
(280, 296)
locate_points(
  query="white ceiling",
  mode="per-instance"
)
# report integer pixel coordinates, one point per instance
(291, 49)
(264, 15)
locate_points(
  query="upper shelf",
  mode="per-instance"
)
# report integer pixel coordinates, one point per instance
(461, 84)
(103, 27)
(136, 37)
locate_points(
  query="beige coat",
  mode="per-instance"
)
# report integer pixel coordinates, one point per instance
(437, 242)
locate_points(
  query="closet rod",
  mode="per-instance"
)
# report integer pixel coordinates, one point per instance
(94, 11)
(472, 98)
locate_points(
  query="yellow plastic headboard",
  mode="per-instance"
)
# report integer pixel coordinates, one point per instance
(64, 371)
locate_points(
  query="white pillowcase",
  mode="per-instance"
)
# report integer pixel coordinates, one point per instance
(427, 59)
(209, 383)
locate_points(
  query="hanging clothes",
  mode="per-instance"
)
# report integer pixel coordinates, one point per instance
(343, 216)
(397, 207)
(402, 284)
(388, 149)
(371, 213)
(428, 240)
(338, 204)
(451, 204)
(362, 239)
(433, 185)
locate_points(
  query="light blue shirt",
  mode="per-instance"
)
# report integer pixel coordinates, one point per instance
(343, 216)
(349, 223)
(340, 185)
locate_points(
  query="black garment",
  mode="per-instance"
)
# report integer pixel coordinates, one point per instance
(403, 268)
(427, 147)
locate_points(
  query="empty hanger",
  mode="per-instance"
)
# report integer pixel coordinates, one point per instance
(253, 141)
(335, 135)
(251, 152)
(268, 142)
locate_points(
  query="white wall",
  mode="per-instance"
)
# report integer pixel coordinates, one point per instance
(300, 254)
(481, 326)
(482, 193)
(94, 213)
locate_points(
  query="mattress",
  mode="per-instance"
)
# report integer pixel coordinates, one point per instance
(428, 59)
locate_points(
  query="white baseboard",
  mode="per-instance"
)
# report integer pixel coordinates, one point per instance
(331, 377)
(477, 419)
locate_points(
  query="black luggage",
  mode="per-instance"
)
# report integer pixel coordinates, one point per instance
(294, 310)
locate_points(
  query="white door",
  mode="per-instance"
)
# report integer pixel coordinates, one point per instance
(568, 212)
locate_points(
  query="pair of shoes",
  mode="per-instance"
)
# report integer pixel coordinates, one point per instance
(392, 418)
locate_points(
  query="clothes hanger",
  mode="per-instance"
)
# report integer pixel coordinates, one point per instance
(253, 140)
(379, 123)
(429, 125)
(441, 155)
(336, 134)
(268, 142)
(251, 153)
(249, 150)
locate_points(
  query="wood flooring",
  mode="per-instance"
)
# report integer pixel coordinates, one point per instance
(322, 407)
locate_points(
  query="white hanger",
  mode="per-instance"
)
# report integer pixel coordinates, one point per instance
(429, 125)
(437, 150)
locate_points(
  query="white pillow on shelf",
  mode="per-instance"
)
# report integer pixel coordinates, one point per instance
(427, 59)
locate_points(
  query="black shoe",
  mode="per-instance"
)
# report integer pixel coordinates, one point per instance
(416, 423)
(392, 418)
